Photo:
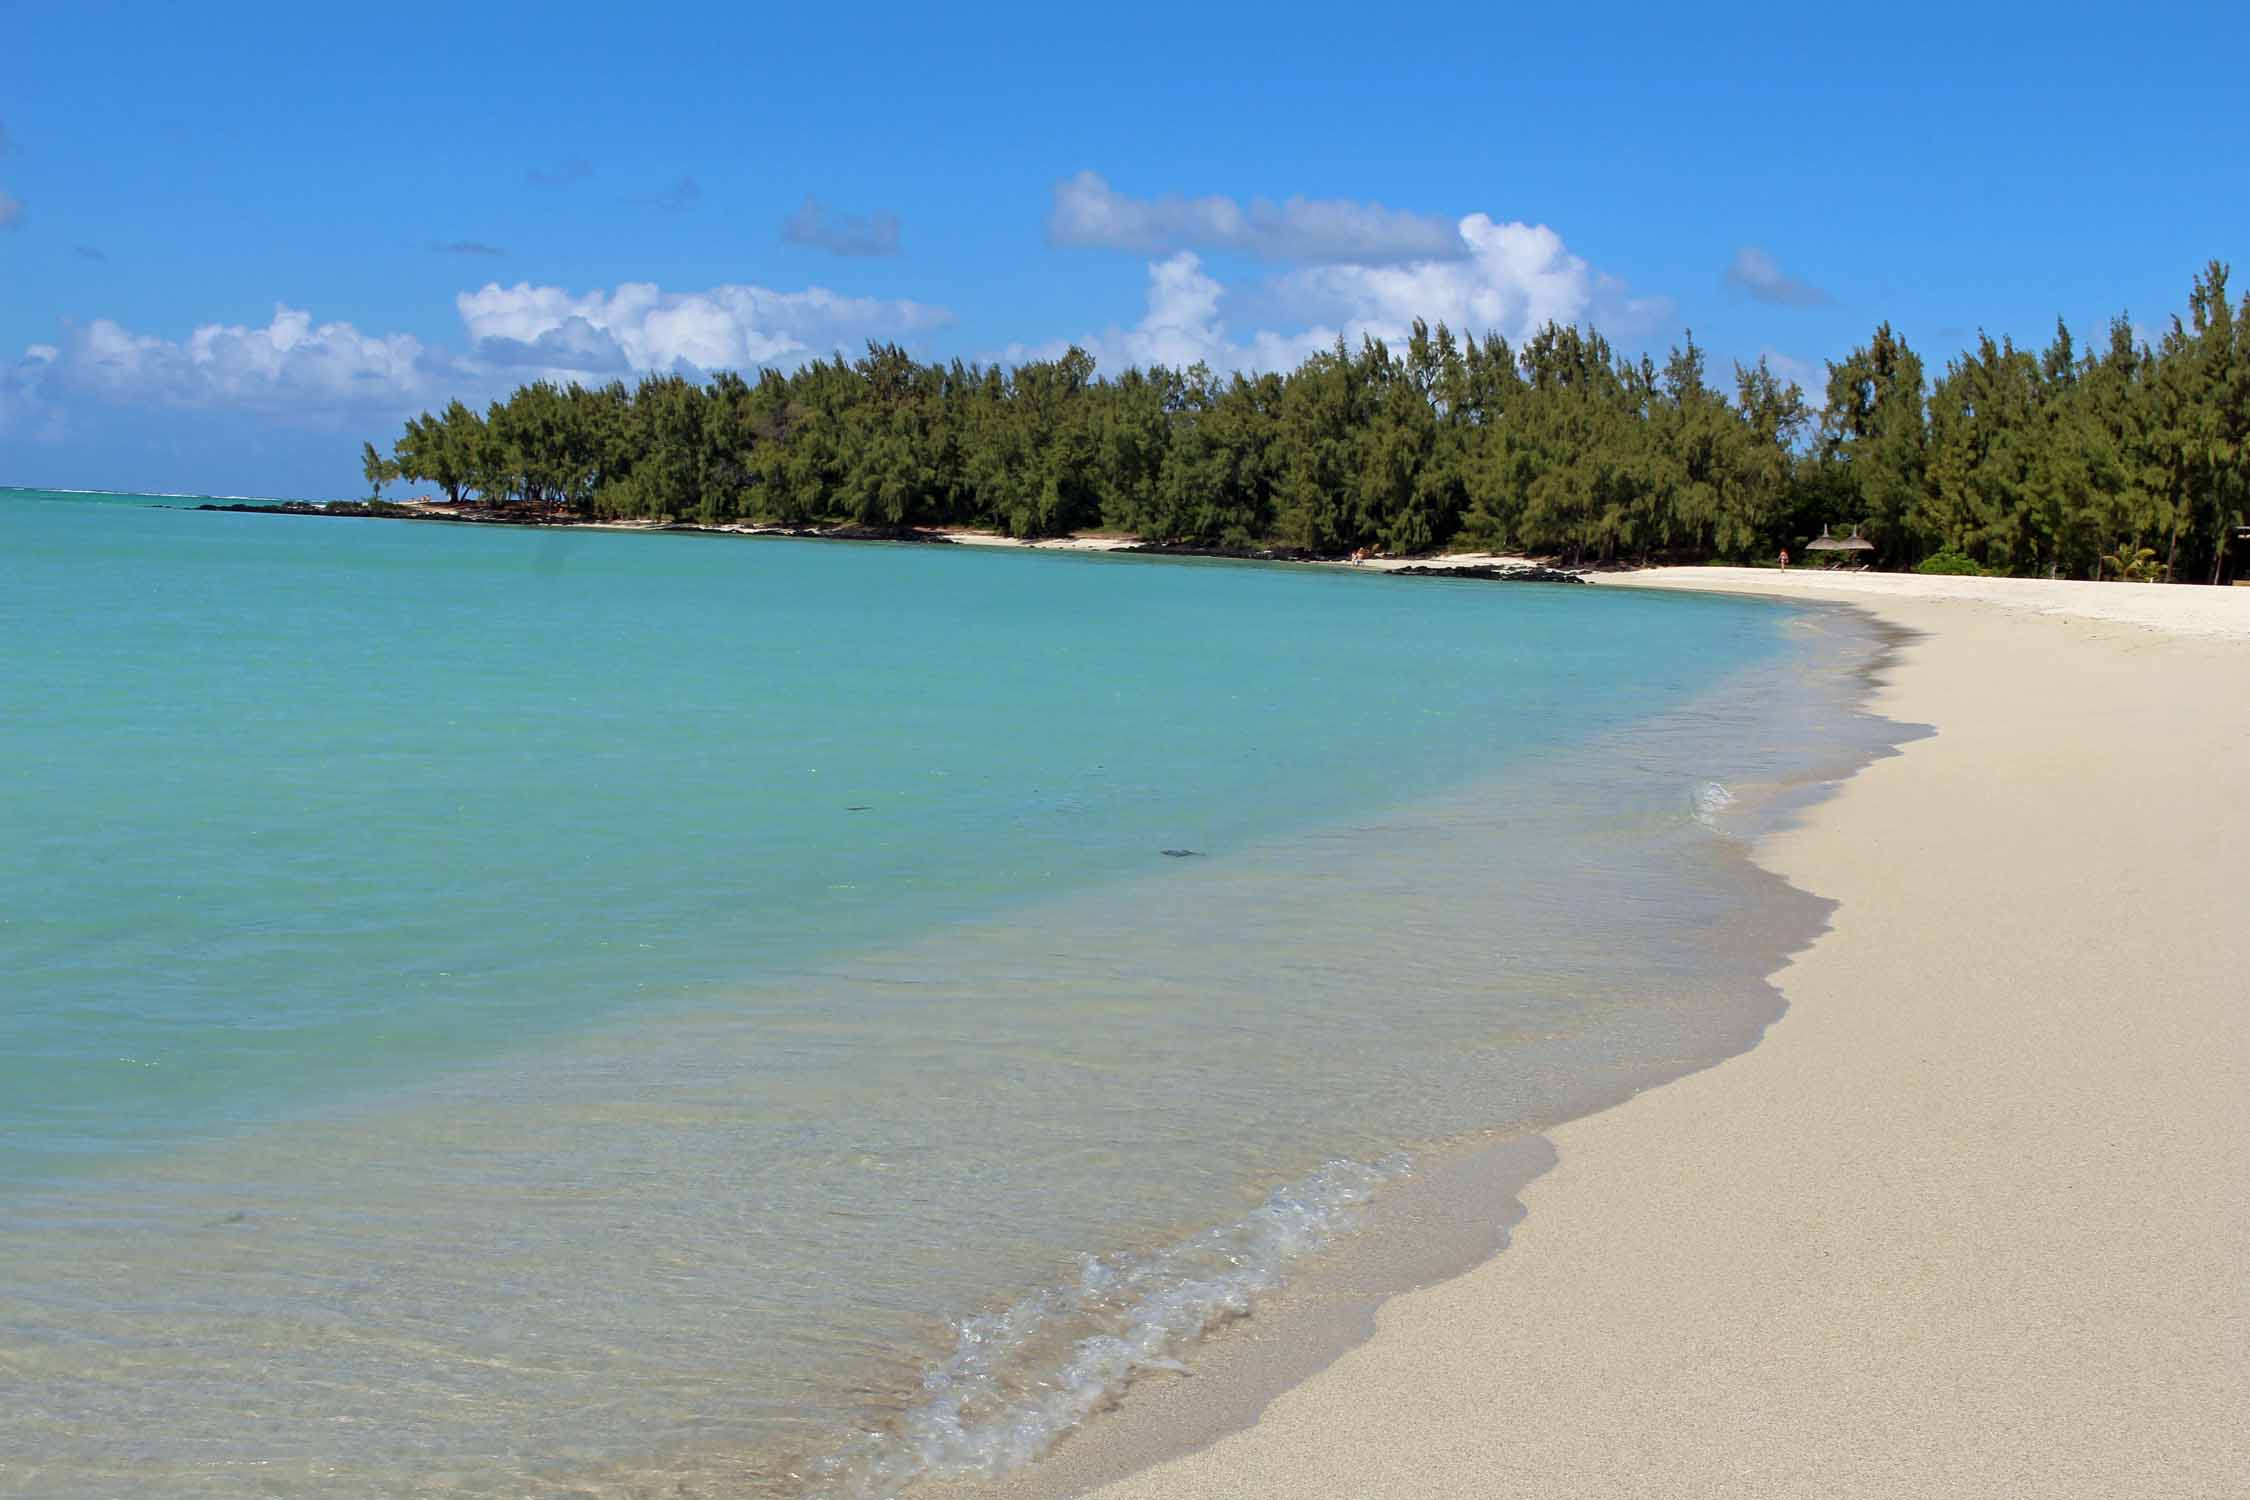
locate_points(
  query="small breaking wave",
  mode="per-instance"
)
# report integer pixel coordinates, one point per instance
(1018, 1379)
(1708, 800)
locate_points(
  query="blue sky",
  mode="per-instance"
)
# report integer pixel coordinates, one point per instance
(235, 241)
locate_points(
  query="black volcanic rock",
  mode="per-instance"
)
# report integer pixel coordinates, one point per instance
(1238, 554)
(1527, 574)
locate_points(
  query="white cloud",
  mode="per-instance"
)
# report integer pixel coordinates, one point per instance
(727, 327)
(1182, 323)
(1510, 279)
(1089, 213)
(294, 366)
(1514, 279)
(288, 364)
(1181, 326)
(1760, 275)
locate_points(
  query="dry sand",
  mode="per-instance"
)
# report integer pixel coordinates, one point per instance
(1974, 1219)
(2168, 609)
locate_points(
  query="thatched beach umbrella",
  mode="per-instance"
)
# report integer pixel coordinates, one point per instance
(1826, 543)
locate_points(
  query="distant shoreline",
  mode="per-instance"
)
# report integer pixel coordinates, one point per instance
(1493, 566)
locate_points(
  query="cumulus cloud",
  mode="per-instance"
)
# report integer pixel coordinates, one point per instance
(1513, 278)
(1504, 277)
(1089, 213)
(294, 367)
(287, 364)
(1510, 279)
(466, 247)
(1758, 274)
(1180, 326)
(841, 234)
(11, 212)
(727, 327)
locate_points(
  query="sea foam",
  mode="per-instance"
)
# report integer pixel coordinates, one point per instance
(1020, 1378)
(1708, 800)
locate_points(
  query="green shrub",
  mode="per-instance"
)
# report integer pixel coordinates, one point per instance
(2133, 565)
(1949, 561)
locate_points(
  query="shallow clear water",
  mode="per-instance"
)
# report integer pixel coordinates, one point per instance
(510, 1012)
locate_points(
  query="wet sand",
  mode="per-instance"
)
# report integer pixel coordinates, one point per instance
(1973, 1219)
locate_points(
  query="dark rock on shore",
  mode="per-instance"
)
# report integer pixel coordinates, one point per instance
(1527, 574)
(881, 534)
(816, 533)
(1238, 554)
(380, 510)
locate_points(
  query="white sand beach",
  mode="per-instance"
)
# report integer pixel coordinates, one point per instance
(1974, 1218)
(1041, 544)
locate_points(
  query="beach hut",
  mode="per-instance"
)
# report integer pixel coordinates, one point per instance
(1846, 544)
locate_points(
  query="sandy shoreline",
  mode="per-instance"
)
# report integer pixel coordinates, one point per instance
(1974, 1218)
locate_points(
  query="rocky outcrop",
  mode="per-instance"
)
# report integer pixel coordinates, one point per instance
(1238, 554)
(1528, 573)
(384, 510)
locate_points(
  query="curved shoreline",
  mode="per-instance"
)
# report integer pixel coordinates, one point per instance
(1856, 1258)
(1452, 1210)
(1454, 1213)
(1425, 913)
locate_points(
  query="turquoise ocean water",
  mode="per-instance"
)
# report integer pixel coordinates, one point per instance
(506, 1012)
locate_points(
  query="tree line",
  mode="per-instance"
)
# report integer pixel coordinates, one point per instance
(2122, 459)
